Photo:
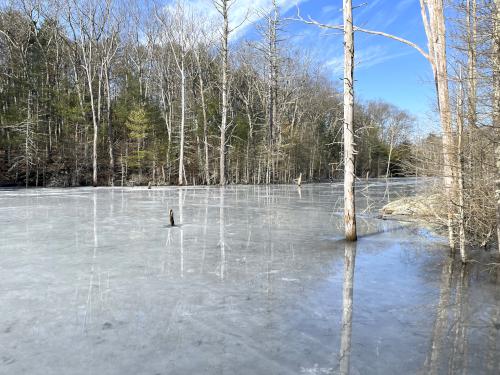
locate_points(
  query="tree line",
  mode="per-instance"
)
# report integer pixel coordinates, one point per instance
(102, 93)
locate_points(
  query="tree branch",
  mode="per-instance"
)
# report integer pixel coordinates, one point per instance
(311, 21)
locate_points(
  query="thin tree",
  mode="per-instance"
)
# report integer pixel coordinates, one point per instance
(180, 31)
(87, 32)
(223, 7)
(496, 103)
(349, 177)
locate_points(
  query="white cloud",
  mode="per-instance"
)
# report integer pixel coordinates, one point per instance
(375, 55)
(242, 13)
(330, 9)
(364, 58)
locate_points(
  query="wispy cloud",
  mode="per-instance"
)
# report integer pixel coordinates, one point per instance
(377, 15)
(365, 58)
(242, 13)
(375, 55)
(329, 9)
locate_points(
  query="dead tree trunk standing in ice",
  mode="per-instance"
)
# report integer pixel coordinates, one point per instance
(183, 120)
(496, 104)
(110, 47)
(460, 168)
(177, 37)
(225, 37)
(433, 18)
(110, 128)
(349, 153)
(206, 167)
(222, 7)
(271, 34)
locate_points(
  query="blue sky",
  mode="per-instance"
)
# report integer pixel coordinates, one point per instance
(385, 69)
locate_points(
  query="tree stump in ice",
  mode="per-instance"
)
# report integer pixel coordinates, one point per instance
(171, 216)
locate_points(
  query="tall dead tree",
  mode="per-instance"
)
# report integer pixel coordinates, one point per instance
(349, 153)
(460, 169)
(110, 47)
(433, 18)
(87, 32)
(271, 52)
(496, 103)
(180, 31)
(222, 7)
(201, 80)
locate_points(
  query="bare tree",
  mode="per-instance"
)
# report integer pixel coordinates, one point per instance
(110, 46)
(201, 81)
(223, 7)
(349, 152)
(269, 50)
(87, 21)
(181, 33)
(496, 102)
(460, 169)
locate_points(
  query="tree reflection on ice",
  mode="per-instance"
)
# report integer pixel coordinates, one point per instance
(347, 306)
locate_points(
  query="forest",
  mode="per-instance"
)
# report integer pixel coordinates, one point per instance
(131, 96)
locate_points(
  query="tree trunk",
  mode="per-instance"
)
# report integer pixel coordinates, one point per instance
(183, 118)
(110, 131)
(205, 122)
(249, 139)
(225, 36)
(496, 104)
(436, 37)
(349, 206)
(96, 129)
(460, 160)
(390, 155)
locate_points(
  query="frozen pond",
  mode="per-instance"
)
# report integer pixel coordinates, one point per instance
(252, 281)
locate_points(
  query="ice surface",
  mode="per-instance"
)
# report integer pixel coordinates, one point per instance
(251, 281)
